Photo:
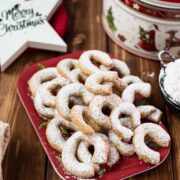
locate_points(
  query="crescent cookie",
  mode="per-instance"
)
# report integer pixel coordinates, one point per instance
(143, 89)
(124, 148)
(130, 79)
(129, 110)
(75, 89)
(78, 76)
(79, 115)
(101, 149)
(54, 134)
(94, 82)
(88, 57)
(42, 109)
(119, 66)
(150, 113)
(157, 134)
(40, 77)
(147, 112)
(96, 109)
(113, 156)
(71, 163)
(48, 90)
(66, 66)
(84, 155)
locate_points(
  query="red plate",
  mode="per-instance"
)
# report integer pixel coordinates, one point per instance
(126, 167)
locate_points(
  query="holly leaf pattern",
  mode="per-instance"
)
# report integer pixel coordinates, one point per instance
(110, 20)
(147, 35)
(143, 34)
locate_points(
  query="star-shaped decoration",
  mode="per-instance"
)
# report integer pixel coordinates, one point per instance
(127, 2)
(25, 24)
(136, 6)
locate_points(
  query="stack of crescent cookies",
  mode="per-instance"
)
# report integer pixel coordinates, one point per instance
(95, 98)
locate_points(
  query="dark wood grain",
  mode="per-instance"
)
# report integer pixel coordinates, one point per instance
(25, 158)
(174, 127)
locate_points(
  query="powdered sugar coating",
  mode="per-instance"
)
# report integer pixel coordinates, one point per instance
(54, 134)
(114, 156)
(77, 116)
(157, 134)
(78, 76)
(66, 66)
(69, 160)
(94, 82)
(119, 85)
(143, 89)
(150, 113)
(87, 67)
(96, 106)
(56, 114)
(124, 148)
(84, 155)
(130, 79)
(101, 149)
(119, 66)
(40, 77)
(75, 89)
(129, 110)
(171, 80)
(47, 88)
(69, 69)
(41, 108)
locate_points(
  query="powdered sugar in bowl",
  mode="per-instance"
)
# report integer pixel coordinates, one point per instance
(169, 78)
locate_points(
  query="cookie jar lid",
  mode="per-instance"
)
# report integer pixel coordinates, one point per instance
(168, 4)
(160, 9)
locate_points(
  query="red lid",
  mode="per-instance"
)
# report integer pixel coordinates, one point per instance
(169, 4)
(173, 1)
(161, 9)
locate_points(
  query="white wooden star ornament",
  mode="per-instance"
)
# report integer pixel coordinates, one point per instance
(25, 24)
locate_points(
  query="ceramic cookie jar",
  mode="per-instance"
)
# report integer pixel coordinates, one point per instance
(144, 27)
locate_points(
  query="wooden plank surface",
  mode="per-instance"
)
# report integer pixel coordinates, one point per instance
(25, 157)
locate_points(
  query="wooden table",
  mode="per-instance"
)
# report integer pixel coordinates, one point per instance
(25, 157)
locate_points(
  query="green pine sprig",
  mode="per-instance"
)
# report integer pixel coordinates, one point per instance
(43, 125)
(40, 66)
(101, 172)
(64, 130)
(59, 158)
